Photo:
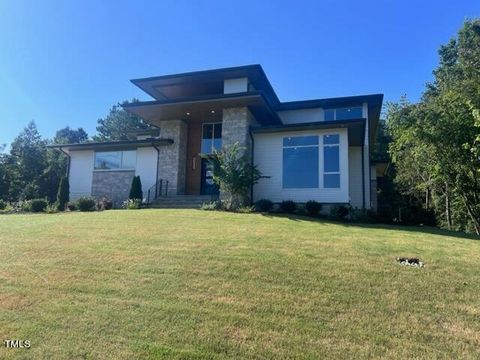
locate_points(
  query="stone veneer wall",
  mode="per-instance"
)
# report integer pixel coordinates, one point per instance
(236, 129)
(114, 185)
(173, 158)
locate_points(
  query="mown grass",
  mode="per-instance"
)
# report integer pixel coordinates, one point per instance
(189, 284)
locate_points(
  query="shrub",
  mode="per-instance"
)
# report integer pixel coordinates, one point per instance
(104, 204)
(288, 206)
(136, 188)
(86, 204)
(25, 205)
(313, 207)
(234, 173)
(3, 204)
(38, 205)
(71, 206)
(363, 215)
(63, 194)
(246, 209)
(132, 204)
(213, 205)
(264, 205)
(52, 208)
(8, 209)
(339, 212)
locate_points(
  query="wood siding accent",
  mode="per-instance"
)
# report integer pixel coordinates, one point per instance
(193, 176)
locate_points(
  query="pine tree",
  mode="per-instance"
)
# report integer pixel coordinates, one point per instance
(63, 195)
(136, 188)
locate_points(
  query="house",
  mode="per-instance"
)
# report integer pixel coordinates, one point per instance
(306, 150)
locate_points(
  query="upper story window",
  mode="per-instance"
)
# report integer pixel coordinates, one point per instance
(211, 137)
(300, 162)
(112, 160)
(343, 113)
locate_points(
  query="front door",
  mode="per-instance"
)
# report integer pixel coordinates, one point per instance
(208, 185)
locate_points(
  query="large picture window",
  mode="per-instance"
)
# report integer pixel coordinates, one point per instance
(300, 162)
(111, 160)
(211, 138)
(346, 113)
(331, 161)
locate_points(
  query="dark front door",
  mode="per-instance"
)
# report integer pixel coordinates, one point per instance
(208, 186)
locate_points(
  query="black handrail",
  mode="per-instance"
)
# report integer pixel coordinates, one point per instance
(160, 188)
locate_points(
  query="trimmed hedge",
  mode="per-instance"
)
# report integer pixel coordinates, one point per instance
(288, 206)
(264, 205)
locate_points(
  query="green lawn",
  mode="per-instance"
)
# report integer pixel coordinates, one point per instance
(194, 284)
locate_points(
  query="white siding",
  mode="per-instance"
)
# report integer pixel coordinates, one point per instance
(268, 156)
(366, 156)
(232, 86)
(81, 172)
(146, 167)
(301, 116)
(355, 176)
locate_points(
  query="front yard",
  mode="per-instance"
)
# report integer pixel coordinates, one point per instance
(194, 284)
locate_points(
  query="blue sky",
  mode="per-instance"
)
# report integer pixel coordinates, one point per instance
(67, 62)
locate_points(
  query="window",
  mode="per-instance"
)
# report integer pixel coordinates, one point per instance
(331, 161)
(211, 138)
(343, 113)
(110, 160)
(300, 162)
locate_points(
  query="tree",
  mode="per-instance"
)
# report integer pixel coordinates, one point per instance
(119, 124)
(136, 189)
(63, 195)
(234, 174)
(70, 136)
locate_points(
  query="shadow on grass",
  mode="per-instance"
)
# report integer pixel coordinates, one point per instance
(420, 229)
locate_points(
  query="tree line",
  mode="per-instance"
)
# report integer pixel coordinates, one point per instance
(31, 170)
(434, 144)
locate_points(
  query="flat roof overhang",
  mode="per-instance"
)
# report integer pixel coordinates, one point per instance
(156, 111)
(356, 129)
(113, 145)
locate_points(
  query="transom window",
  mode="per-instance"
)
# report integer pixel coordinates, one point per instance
(343, 113)
(110, 160)
(331, 161)
(211, 138)
(300, 162)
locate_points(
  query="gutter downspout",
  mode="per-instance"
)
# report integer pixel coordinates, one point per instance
(363, 175)
(158, 160)
(252, 153)
(68, 161)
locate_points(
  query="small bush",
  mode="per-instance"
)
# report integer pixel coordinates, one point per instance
(3, 204)
(8, 209)
(246, 209)
(313, 207)
(213, 205)
(339, 212)
(63, 194)
(25, 205)
(38, 205)
(136, 188)
(288, 206)
(264, 205)
(52, 209)
(104, 204)
(132, 204)
(86, 204)
(71, 206)
(363, 215)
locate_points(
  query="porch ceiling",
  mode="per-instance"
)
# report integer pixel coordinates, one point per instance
(156, 111)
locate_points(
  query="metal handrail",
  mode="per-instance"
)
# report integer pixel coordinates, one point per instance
(159, 189)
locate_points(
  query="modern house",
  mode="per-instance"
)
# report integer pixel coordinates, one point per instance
(306, 150)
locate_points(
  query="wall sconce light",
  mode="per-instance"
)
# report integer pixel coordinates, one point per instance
(194, 163)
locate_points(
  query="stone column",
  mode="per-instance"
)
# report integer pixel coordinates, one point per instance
(173, 158)
(236, 129)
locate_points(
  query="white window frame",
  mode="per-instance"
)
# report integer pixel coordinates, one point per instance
(322, 170)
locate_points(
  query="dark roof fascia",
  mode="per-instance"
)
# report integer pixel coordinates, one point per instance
(112, 144)
(307, 126)
(372, 99)
(206, 98)
(255, 67)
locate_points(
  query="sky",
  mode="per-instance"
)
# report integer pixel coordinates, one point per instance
(65, 63)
